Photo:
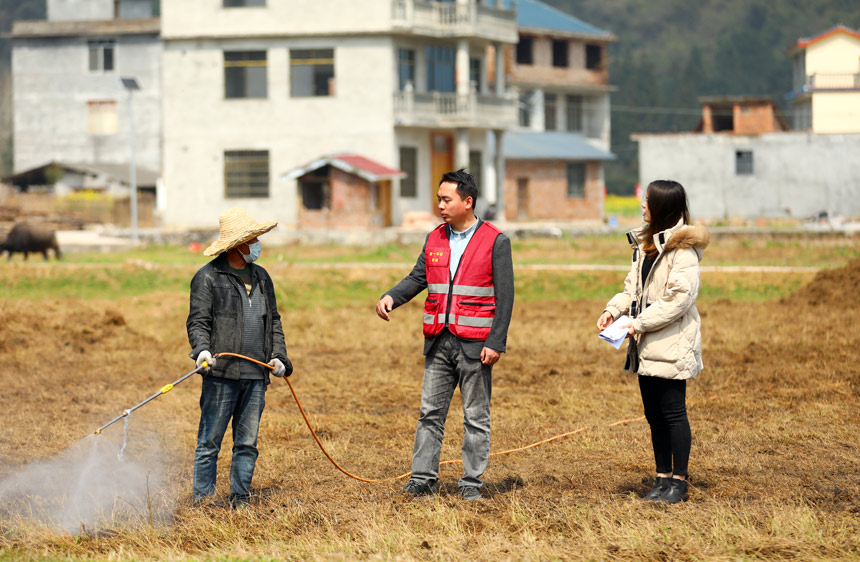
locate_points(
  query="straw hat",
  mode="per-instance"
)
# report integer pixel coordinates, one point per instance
(237, 227)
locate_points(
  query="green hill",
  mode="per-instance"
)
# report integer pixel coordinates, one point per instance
(672, 51)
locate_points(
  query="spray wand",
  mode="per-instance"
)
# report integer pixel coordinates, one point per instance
(164, 390)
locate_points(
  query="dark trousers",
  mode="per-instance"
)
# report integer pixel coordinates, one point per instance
(666, 412)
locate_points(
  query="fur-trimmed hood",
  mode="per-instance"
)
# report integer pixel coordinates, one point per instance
(679, 237)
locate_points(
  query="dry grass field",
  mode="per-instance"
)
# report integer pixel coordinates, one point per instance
(775, 465)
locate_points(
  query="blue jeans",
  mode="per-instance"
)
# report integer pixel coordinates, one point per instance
(220, 400)
(445, 367)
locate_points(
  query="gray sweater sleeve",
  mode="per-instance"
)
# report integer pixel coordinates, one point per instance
(412, 284)
(503, 287)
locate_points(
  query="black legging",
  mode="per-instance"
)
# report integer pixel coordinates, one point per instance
(666, 411)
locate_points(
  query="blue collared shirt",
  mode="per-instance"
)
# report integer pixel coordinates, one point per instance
(458, 242)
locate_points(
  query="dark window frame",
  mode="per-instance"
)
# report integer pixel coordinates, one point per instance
(575, 188)
(243, 4)
(574, 113)
(409, 184)
(246, 174)
(560, 53)
(550, 112)
(238, 66)
(744, 163)
(315, 189)
(525, 50)
(476, 168)
(323, 72)
(593, 56)
(101, 55)
(405, 67)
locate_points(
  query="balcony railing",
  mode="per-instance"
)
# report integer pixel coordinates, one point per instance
(439, 109)
(455, 19)
(833, 81)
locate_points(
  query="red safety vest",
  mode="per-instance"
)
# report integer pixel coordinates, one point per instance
(466, 304)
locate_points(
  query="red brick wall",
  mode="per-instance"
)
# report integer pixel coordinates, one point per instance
(541, 71)
(350, 205)
(547, 191)
(754, 119)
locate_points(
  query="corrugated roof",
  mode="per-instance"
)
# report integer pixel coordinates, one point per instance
(551, 145)
(355, 164)
(45, 28)
(144, 177)
(535, 14)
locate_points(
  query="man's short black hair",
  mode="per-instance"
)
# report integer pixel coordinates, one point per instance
(466, 186)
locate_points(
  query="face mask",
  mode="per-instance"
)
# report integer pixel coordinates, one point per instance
(254, 252)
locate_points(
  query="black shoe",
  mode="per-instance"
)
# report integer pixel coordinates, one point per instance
(676, 493)
(658, 490)
(239, 502)
(470, 493)
(415, 488)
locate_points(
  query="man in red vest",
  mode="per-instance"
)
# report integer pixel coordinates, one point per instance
(467, 270)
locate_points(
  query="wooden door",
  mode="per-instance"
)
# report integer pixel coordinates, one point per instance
(441, 162)
(383, 201)
(522, 199)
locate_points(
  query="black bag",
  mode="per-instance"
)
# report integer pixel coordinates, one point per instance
(631, 364)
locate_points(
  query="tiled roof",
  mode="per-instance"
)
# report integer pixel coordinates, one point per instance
(551, 145)
(535, 14)
(356, 164)
(805, 42)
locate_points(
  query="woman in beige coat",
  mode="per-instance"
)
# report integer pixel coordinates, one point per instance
(665, 346)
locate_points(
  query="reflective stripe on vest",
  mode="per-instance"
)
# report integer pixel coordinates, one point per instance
(467, 304)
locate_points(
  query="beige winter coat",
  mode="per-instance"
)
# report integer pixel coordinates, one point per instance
(667, 324)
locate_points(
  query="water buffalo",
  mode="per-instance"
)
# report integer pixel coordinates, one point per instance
(28, 238)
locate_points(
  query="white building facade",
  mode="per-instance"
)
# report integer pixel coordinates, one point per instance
(69, 102)
(256, 88)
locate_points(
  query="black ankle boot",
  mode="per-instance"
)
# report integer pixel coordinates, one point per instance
(677, 491)
(658, 490)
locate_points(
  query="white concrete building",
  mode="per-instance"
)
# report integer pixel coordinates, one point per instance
(69, 104)
(743, 164)
(254, 89)
(826, 82)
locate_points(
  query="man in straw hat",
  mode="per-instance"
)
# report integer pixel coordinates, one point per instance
(233, 309)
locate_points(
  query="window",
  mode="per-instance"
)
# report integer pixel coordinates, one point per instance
(315, 188)
(576, 180)
(243, 3)
(311, 72)
(525, 106)
(593, 57)
(559, 53)
(440, 69)
(550, 109)
(409, 164)
(101, 55)
(246, 173)
(245, 74)
(475, 73)
(524, 50)
(574, 113)
(406, 67)
(743, 162)
(102, 117)
(476, 167)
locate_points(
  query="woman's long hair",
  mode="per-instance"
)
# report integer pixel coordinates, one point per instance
(667, 203)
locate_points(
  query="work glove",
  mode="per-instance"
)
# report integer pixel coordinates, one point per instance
(205, 356)
(281, 370)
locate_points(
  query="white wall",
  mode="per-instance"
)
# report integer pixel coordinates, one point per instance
(52, 85)
(796, 174)
(208, 18)
(199, 124)
(79, 10)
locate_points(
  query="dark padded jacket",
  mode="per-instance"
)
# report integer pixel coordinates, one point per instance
(216, 317)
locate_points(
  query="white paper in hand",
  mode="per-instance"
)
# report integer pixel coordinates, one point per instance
(616, 334)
